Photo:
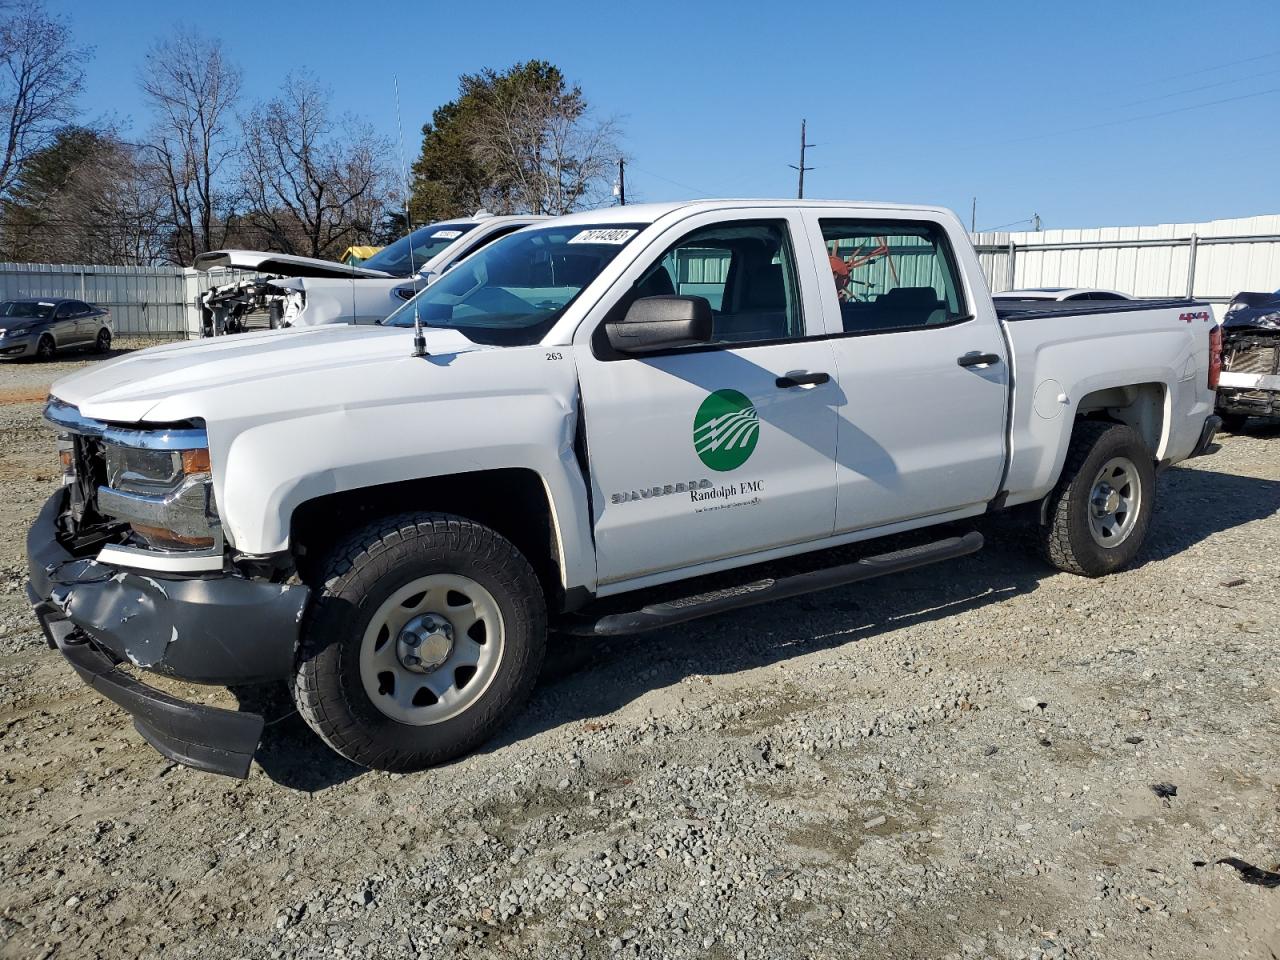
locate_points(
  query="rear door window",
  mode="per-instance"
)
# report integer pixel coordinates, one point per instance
(893, 275)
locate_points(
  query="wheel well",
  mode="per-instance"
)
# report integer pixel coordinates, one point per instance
(513, 502)
(1139, 405)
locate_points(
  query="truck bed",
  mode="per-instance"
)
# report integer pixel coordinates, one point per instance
(1015, 310)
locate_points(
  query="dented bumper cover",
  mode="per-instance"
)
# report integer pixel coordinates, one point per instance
(222, 629)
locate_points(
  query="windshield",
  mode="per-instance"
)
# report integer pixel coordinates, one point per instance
(515, 289)
(406, 256)
(26, 308)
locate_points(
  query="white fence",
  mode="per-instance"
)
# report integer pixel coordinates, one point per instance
(1210, 261)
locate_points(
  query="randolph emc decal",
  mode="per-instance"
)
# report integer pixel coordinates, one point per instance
(725, 430)
(665, 490)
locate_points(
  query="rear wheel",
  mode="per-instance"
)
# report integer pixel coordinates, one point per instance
(425, 638)
(1234, 422)
(46, 349)
(275, 315)
(1098, 514)
(103, 342)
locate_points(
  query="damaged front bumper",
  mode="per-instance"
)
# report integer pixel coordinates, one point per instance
(219, 629)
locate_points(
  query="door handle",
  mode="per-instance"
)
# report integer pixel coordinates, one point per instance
(978, 359)
(802, 380)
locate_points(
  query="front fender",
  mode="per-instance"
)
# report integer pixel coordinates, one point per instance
(273, 468)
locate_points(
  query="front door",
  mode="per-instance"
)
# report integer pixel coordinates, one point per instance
(702, 454)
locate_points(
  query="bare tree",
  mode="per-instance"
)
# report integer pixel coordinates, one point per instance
(193, 89)
(83, 199)
(40, 77)
(313, 185)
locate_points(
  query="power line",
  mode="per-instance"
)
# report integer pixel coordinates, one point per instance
(1146, 116)
(1003, 225)
(1193, 73)
(1207, 86)
(674, 183)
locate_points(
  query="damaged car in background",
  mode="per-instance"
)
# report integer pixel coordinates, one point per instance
(1250, 382)
(290, 291)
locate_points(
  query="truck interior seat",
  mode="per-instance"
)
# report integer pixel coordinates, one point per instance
(899, 308)
(761, 310)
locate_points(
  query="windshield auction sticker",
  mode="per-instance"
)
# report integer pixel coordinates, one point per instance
(446, 235)
(615, 237)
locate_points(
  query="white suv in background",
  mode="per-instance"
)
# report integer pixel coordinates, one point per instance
(307, 292)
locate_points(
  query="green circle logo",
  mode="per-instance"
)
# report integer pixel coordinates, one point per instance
(725, 430)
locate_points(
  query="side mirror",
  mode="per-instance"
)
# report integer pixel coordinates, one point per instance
(657, 323)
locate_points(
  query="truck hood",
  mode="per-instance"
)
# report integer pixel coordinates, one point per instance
(154, 384)
(282, 263)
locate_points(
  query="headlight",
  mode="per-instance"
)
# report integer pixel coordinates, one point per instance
(293, 304)
(166, 496)
(3, 331)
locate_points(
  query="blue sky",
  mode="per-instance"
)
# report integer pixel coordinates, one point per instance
(915, 102)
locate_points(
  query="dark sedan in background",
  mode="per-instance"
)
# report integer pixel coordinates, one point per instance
(40, 327)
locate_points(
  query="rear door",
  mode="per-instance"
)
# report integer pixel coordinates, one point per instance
(66, 326)
(707, 454)
(922, 367)
(86, 325)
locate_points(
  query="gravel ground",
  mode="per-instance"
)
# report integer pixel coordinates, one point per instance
(956, 762)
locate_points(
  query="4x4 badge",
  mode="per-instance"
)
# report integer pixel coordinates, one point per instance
(725, 430)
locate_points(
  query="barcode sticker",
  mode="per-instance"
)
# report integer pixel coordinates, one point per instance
(446, 235)
(616, 237)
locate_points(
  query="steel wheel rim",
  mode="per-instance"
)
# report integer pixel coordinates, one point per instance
(1115, 500)
(432, 692)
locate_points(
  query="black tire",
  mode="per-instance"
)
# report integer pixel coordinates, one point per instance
(1065, 537)
(275, 315)
(1234, 422)
(360, 575)
(102, 344)
(46, 349)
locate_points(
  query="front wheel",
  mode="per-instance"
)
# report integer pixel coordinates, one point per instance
(46, 349)
(1098, 514)
(425, 638)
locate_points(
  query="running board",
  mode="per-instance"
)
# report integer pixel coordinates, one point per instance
(656, 615)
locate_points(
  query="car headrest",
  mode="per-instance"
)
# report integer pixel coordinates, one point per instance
(764, 289)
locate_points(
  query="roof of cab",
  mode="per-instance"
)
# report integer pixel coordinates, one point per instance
(647, 213)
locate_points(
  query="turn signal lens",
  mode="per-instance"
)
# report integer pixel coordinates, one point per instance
(160, 537)
(195, 461)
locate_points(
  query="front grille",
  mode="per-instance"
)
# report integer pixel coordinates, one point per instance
(1252, 360)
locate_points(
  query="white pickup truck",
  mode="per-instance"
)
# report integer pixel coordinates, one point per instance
(598, 410)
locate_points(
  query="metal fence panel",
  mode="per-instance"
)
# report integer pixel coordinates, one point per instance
(145, 301)
(1213, 260)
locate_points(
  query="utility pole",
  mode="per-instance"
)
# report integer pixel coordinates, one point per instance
(973, 216)
(804, 144)
(1035, 222)
(622, 182)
